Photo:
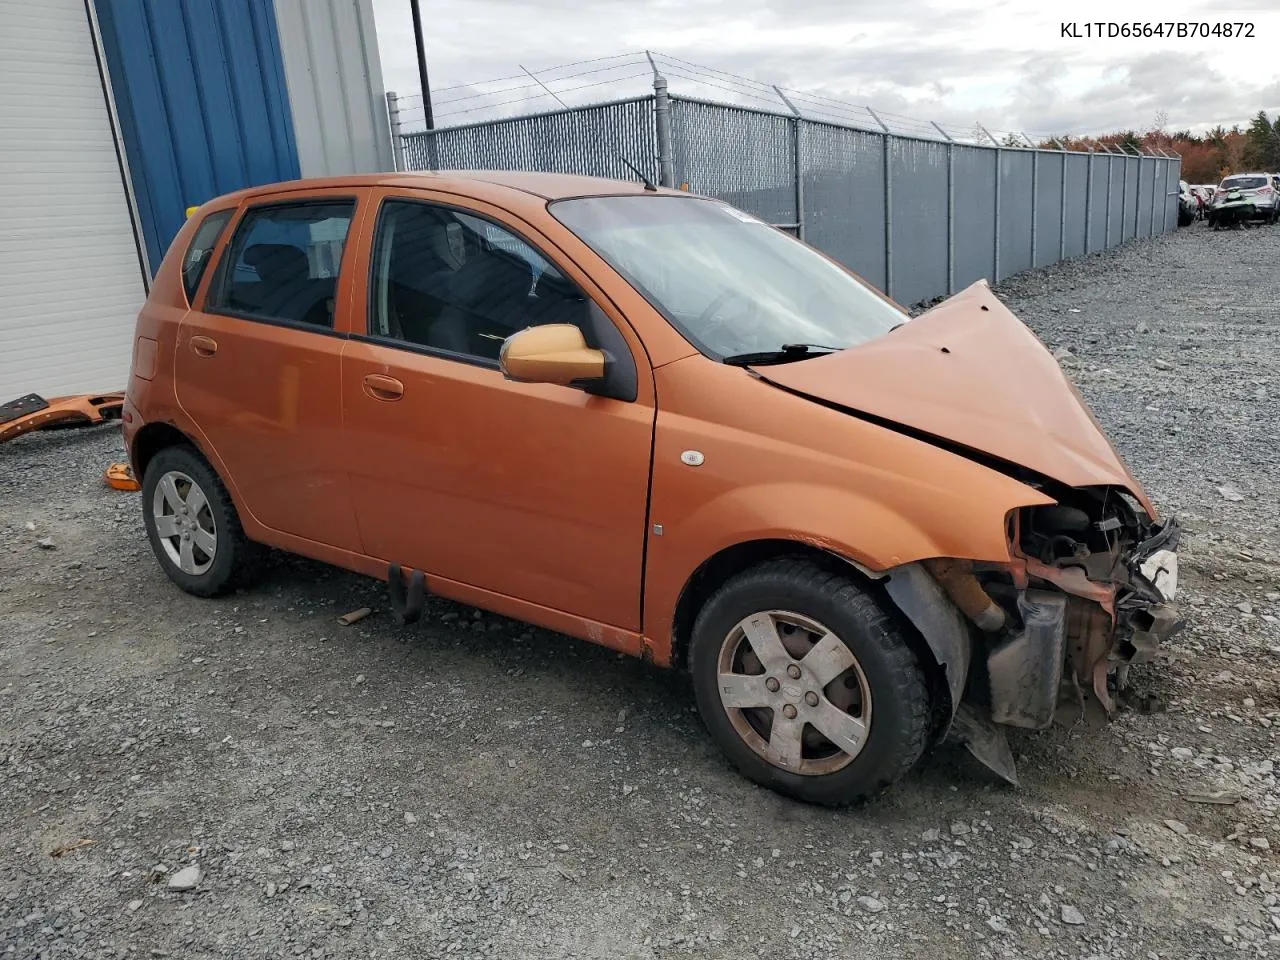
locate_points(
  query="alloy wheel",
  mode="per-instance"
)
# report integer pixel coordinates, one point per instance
(794, 692)
(184, 523)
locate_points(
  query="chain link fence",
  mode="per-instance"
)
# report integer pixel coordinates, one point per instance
(586, 140)
(919, 218)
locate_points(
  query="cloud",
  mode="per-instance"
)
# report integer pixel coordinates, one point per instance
(1185, 86)
(1003, 63)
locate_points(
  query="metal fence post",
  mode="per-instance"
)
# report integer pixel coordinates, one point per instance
(1154, 164)
(995, 260)
(1062, 214)
(951, 210)
(888, 206)
(1111, 160)
(1137, 201)
(1124, 197)
(1088, 205)
(397, 138)
(1035, 202)
(795, 149)
(662, 127)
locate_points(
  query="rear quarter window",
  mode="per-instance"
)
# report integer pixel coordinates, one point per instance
(196, 259)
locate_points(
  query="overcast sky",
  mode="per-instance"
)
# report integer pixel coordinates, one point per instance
(1002, 62)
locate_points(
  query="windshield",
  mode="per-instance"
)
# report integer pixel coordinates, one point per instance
(731, 284)
(1244, 183)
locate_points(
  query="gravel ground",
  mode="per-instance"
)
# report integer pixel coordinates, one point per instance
(245, 778)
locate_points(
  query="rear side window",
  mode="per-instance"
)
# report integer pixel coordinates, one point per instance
(197, 256)
(282, 264)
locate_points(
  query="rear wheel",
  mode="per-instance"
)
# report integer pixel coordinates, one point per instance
(192, 524)
(806, 685)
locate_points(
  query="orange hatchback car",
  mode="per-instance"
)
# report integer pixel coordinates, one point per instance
(649, 420)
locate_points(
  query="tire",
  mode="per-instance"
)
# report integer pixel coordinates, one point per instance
(883, 687)
(219, 552)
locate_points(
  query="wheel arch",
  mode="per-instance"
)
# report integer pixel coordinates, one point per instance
(150, 439)
(727, 563)
(159, 435)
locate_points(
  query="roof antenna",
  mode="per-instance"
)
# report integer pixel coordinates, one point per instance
(648, 184)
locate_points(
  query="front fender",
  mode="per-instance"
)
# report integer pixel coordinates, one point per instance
(872, 534)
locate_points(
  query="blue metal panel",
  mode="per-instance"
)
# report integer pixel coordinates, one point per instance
(199, 88)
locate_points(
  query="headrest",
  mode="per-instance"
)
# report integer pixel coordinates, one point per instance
(278, 262)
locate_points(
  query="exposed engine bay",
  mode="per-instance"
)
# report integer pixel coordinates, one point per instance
(1088, 592)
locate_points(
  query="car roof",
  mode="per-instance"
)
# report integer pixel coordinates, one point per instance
(548, 186)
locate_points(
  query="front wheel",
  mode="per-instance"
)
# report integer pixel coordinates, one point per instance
(806, 685)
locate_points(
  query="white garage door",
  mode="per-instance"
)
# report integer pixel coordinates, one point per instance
(70, 279)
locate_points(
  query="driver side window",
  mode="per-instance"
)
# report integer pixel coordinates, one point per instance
(458, 283)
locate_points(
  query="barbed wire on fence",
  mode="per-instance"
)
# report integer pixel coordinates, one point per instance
(620, 76)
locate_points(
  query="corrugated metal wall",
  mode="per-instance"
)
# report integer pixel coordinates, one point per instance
(71, 280)
(334, 78)
(203, 109)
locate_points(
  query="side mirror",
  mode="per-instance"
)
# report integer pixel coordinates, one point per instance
(554, 353)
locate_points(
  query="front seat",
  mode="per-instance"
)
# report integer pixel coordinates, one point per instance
(488, 300)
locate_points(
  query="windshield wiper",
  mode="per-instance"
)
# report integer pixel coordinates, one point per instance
(784, 354)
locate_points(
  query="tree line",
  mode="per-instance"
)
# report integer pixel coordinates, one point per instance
(1207, 157)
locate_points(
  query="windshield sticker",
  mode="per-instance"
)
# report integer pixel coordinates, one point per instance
(740, 215)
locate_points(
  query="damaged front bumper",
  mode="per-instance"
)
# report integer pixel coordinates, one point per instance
(1015, 642)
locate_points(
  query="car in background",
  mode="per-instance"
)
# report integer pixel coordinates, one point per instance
(1204, 194)
(1188, 205)
(1259, 191)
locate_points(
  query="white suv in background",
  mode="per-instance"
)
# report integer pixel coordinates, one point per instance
(1262, 190)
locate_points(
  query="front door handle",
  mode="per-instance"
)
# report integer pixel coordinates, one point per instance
(380, 387)
(204, 346)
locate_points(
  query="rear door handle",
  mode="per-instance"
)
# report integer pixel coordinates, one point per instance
(204, 346)
(380, 387)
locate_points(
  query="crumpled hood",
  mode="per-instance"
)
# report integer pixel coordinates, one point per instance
(970, 372)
